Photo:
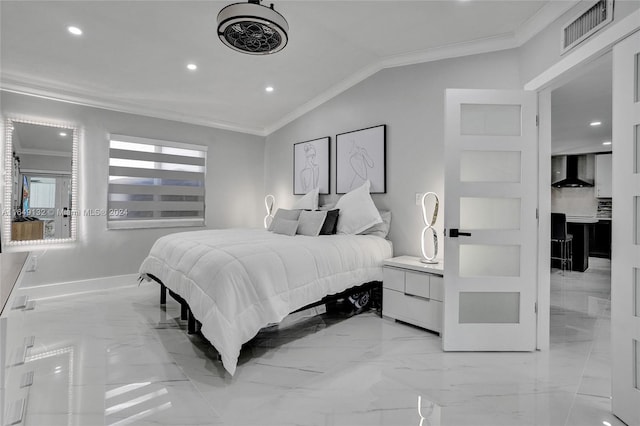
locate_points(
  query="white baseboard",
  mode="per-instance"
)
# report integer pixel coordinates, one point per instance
(48, 291)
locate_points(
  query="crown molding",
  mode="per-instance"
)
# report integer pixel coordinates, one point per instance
(538, 22)
(22, 86)
(545, 16)
(542, 19)
(491, 44)
(44, 152)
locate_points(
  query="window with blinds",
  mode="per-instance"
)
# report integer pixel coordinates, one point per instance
(155, 183)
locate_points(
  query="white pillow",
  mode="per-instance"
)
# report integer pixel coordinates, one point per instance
(381, 229)
(310, 222)
(309, 201)
(357, 211)
(284, 214)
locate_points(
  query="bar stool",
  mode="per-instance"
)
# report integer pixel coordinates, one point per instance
(563, 240)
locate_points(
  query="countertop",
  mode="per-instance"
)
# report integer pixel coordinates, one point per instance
(585, 219)
(10, 267)
(413, 263)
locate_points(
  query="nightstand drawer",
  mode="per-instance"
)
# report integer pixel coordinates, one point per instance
(414, 310)
(393, 279)
(416, 284)
(436, 288)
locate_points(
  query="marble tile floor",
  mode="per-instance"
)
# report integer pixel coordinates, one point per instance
(117, 358)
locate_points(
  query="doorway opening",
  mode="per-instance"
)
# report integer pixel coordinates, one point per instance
(581, 206)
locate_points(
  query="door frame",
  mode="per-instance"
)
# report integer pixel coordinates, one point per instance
(581, 59)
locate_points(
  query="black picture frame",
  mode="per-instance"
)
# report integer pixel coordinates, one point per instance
(360, 156)
(311, 160)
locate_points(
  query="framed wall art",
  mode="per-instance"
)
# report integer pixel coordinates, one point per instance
(360, 156)
(311, 166)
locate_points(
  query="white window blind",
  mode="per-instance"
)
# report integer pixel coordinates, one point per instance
(155, 183)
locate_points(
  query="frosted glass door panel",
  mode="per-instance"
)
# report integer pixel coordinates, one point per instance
(489, 307)
(489, 213)
(490, 120)
(490, 166)
(636, 350)
(636, 219)
(479, 260)
(636, 149)
(637, 73)
(636, 291)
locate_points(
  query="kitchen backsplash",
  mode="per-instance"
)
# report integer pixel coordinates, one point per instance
(574, 201)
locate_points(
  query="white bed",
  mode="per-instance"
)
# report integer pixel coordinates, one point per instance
(237, 281)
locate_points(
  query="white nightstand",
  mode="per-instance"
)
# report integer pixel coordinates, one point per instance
(413, 292)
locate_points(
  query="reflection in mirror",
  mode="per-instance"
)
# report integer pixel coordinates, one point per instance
(40, 167)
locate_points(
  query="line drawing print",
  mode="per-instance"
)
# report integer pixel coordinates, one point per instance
(310, 174)
(360, 162)
(360, 157)
(311, 166)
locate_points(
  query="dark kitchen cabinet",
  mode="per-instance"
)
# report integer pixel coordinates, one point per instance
(600, 239)
(580, 232)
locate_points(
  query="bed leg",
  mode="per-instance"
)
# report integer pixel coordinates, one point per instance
(163, 294)
(191, 323)
(184, 311)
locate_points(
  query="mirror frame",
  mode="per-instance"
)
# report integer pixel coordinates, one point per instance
(7, 214)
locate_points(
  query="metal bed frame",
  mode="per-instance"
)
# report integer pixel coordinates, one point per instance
(193, 325)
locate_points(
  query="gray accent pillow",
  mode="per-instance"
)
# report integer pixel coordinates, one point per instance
(284, 226)
(380, 229)
(310, 222)
(284, 214)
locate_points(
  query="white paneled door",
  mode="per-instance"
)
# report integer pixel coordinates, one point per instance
(625, 256)
(491, 226)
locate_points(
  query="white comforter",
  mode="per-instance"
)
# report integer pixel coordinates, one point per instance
(237, 281)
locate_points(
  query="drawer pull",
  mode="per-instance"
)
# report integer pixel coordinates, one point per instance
(416, 296)
(31, 305)
(29, 341)
(27, 379)
(20, 302)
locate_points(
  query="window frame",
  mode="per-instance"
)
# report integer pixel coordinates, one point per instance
(115, 224)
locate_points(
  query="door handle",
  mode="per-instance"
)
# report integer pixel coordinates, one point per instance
(455, 233)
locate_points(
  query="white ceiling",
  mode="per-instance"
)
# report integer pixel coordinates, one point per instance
(584, 99)
(132, 56)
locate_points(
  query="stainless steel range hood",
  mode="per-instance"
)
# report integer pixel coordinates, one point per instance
(572, 171)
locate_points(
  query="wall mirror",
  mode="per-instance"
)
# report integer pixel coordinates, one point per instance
(40, 183)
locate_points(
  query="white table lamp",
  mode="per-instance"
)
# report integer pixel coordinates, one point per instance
(428, 228)
(269, 202)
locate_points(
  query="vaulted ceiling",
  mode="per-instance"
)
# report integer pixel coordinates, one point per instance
(132, 55)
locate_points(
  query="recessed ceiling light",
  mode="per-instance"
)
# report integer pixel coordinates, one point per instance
(595, 123)
(63, 134)
(269, 89)
(74, 30)
(606, 143)
(192, 67)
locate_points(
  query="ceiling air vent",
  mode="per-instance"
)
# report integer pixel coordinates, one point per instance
(587, 23)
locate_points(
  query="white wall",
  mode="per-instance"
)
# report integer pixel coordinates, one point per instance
(543, 50)
(234, 186)
(410, 101)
